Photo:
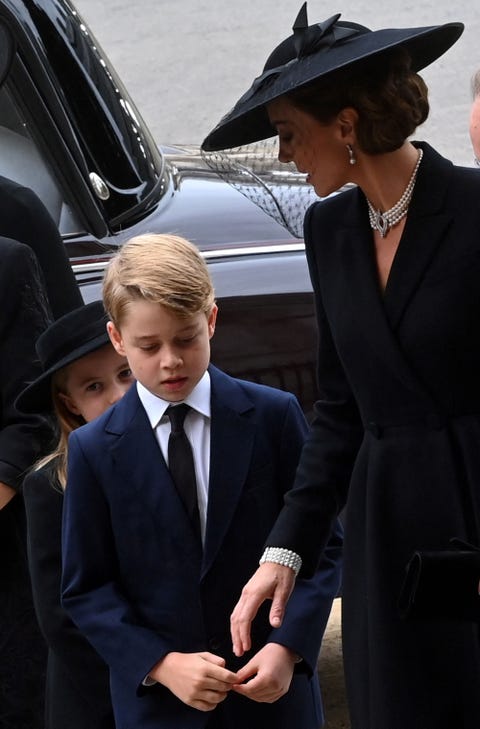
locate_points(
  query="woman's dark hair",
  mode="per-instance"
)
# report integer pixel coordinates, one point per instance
(390, 98)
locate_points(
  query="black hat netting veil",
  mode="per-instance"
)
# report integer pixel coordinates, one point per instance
(276, 187)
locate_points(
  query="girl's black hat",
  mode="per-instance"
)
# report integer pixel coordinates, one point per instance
(74, 335)
(313, 52)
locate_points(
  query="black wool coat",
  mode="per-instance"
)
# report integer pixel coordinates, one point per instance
(397, 439)
(22, 649)
(77, 687)
(34, 267)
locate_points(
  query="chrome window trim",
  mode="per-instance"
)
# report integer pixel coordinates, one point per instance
(80, 268)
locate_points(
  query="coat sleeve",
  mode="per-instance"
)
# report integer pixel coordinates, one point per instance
(24, 316)
(323, 475)
(26, 219)
(87, 671)
(91, 591)
(310, 604)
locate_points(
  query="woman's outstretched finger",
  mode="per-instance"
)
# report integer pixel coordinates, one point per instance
(270, 581)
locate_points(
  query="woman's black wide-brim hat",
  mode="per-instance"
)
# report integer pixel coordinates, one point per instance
(74, 335)
(312, 52)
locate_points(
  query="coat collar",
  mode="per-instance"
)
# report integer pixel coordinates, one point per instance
(380, 314)
(425, 228)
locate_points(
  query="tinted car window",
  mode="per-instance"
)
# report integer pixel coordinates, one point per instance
(22, 161)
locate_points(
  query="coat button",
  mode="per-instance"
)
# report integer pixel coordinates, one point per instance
(375, 429)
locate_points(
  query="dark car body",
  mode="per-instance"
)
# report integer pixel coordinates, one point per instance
(70, 131)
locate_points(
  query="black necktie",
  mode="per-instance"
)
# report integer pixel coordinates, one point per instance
(181, 464)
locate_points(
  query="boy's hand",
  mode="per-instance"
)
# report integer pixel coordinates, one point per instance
(270, 581)
(198, 679)
(272, 671)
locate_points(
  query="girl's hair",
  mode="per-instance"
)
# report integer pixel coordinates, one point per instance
(390, 98)
(67, 422)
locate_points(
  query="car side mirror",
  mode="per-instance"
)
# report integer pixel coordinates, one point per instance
(7, 49)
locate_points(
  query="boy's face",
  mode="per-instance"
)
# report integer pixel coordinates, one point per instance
(166, 353)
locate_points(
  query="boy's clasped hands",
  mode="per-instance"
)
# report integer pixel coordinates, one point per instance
(201, 680)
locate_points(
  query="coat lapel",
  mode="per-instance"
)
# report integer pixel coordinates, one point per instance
(357, 277)
(231, 443)
(379, 315)
(424, 231)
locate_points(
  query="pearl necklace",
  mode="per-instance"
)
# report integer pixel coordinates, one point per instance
(384, 221)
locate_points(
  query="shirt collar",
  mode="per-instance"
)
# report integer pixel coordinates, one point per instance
(155, 407)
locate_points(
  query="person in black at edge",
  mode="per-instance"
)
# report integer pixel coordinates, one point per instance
(30, 295)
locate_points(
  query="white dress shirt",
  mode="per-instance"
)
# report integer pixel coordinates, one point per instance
(197, 428)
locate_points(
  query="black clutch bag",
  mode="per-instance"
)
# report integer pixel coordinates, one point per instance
(442, 585)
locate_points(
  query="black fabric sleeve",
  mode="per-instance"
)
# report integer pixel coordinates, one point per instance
(25, 315)
(25, 218)
(323, 475)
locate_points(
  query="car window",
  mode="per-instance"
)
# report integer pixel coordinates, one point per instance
(114, 139)
(81, 121)
(22, 162)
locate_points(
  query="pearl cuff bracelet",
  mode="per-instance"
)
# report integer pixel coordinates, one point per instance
(282, 556)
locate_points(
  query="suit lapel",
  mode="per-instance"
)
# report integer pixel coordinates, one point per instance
(144, 472)
(231, 443)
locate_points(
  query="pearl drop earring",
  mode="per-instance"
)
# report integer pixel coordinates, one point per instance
(351, 155)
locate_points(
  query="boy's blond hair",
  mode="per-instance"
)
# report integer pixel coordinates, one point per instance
(163, 269)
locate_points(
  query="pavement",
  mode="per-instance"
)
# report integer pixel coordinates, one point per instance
(330, 671)
(186, 63)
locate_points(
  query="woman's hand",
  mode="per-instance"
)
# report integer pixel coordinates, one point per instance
(271, 581)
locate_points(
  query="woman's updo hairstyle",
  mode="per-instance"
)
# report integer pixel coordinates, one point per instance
(390, 98)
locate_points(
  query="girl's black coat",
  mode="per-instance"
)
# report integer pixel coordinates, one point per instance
(77, 690)
(396, 438)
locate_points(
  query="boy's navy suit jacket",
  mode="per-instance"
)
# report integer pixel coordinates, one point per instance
(135, 577)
